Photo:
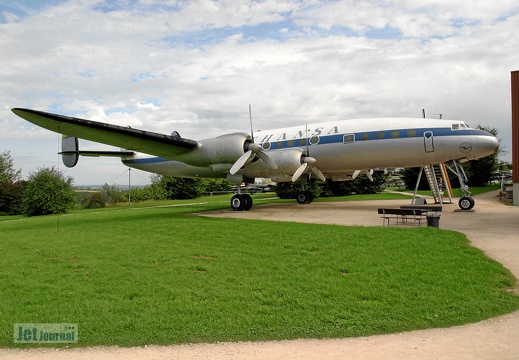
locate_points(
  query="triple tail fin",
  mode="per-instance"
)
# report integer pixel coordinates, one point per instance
(70, 151)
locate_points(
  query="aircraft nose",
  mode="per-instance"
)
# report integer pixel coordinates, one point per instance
(489, 145)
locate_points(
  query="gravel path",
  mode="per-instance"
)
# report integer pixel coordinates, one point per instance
(493, 228)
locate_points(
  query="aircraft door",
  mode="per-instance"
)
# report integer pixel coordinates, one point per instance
(428, 141)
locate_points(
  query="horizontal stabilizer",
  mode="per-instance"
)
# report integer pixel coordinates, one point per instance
(70, 152)
(99, 153)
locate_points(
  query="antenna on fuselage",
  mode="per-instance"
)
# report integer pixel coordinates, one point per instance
(251, 128)
(423, 113)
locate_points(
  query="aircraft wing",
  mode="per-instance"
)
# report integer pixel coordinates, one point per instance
(124, 137)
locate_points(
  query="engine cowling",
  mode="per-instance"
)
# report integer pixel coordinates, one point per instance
(224, 149)
(288, 161)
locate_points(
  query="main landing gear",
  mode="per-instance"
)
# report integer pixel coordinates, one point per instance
(305, 197)
(240, 202)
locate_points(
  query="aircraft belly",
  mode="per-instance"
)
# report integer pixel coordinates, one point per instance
(173, 168)
(369, 155)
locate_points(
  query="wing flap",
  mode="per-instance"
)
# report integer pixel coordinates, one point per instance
(124, 137)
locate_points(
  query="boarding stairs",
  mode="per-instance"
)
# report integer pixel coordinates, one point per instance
(439, 183)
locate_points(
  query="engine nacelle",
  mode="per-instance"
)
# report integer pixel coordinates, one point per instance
(288, 161)
(224, 149)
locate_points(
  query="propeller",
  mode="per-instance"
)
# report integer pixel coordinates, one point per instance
(367, 172)
(252, 149)
(308, 161)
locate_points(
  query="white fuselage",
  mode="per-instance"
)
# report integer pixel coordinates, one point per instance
(342, 147)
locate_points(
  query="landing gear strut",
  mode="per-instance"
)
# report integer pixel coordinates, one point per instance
(466, 202)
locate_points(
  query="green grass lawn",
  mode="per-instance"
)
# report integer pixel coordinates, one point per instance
(158, 275)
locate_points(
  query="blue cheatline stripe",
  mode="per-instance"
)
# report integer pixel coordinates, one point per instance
(371, 136)
(339, 138)
(150, 160)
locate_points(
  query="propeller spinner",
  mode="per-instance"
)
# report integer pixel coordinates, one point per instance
(308, 161)
(252, 150)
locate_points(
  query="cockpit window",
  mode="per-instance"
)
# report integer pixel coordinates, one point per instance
(460, 126)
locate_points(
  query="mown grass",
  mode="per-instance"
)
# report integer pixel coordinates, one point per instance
(157, 275)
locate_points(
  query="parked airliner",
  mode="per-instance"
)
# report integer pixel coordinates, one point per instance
(336, 150)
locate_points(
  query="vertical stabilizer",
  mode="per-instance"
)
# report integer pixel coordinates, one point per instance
(69, 150)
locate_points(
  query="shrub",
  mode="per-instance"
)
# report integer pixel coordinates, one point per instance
(48, 191)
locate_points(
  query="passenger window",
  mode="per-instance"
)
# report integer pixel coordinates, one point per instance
(314, 140)
(349, 138)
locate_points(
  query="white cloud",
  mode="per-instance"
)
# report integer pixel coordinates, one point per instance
(195, 66)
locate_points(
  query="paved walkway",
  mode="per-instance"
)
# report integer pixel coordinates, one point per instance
(492, 227)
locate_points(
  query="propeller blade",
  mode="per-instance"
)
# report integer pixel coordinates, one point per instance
(299, 172)
(271, 163)
(369, 174)
(318, 173)
(240, 162)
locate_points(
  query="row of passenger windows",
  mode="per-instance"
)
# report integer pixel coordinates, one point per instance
(348, 138)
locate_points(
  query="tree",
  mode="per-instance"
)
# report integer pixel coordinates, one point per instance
(48, 191)
(7, 172)
(179, 188)
(289, 190)
(361, 185)
(410, 176)
(11, 195)
(213, 185)
(11, 186)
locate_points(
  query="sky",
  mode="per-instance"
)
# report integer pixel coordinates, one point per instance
(195, 66)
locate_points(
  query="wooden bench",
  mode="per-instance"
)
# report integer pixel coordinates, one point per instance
(425, 208)
(401, 214)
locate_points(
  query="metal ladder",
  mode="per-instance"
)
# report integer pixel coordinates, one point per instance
(430, 173)
(433, 174)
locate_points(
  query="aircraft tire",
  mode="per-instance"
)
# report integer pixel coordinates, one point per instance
(304, 197)
(310, 197)
(466, 203)
(238, 202)
(248, 202)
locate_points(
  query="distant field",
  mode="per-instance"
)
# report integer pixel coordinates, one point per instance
(157, 275)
